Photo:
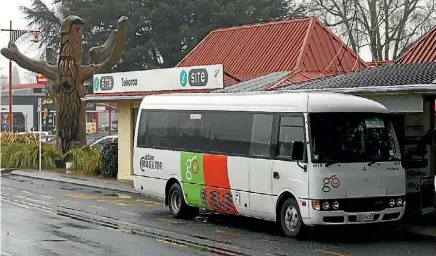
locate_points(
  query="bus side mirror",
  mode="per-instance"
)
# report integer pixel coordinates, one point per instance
(297, 152)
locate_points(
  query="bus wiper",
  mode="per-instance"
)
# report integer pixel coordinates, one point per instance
(330, 163)
(392, 159)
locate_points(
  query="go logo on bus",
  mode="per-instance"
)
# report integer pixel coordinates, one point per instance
(332, 181)
(192, 167)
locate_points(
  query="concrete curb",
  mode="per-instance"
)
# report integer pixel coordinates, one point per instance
(6, 170)
(428, 231)
(94, 184)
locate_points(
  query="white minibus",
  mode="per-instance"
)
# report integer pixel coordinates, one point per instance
(298, 159)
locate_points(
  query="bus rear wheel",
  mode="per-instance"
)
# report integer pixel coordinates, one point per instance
(177, 205)
(291, 223)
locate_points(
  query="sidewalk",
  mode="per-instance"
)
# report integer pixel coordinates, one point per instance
(111, 184)
(425, 226)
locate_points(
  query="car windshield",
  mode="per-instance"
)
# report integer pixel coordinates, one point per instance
(352, 137)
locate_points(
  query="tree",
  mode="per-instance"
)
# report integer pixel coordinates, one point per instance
(387, 27)
(69, 74)
(161, 32)
(15, 76)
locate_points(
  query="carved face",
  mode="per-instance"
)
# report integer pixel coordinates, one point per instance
(70, 54)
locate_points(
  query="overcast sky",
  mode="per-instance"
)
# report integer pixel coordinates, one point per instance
(10, 11)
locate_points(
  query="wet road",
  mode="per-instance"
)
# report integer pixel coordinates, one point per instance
(242, 232)
(29, 232)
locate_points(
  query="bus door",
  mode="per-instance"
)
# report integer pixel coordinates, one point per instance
(287, 173)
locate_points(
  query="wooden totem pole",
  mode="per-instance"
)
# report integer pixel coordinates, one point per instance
(68, 76)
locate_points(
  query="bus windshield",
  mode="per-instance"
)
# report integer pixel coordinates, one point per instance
(352, 137)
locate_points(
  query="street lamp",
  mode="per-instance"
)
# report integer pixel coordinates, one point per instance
(14, 34)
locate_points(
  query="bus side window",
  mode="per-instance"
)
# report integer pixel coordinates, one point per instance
(291, 128)
(261, 136)
(140, 142)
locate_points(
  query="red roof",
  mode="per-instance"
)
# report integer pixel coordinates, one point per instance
(423, 50)
(301, 45)
(378, 63)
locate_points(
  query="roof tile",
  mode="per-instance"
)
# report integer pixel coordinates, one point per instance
(423, 50)
(296, 45)
(387, 75)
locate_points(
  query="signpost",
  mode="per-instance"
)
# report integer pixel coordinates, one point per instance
(39, 130)
(14, 34)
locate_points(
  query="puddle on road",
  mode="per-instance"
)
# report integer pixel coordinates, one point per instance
(118, 199)
(74, 225)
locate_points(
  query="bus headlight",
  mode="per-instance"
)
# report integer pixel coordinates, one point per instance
(335, 205)
(391, 202)
(316, 205)
(325, 205)
(399, 202)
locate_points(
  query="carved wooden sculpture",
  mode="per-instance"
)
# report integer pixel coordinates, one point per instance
(69, 75)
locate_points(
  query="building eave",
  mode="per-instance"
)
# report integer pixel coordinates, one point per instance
(396, 89)
(112, 98)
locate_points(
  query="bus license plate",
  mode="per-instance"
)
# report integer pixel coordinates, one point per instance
(365, 217)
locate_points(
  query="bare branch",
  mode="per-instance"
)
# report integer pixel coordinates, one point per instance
(87, 71)
(100, 53)
(37, 66)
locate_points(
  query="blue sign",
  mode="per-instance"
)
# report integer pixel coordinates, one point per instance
(5, 126)
(183, 78)
(96, 83)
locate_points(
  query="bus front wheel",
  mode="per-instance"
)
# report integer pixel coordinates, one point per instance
(290, 218)
(177, 205)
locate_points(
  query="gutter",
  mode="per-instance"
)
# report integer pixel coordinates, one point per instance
(112, 98)
(414, 88)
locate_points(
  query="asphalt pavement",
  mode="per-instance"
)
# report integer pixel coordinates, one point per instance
(218, 230)
(25, 231)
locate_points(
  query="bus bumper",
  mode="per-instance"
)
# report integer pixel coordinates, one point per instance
(341, 217)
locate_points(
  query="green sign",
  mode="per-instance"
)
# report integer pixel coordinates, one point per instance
(96, 84)
(374, 123)
(183, 78)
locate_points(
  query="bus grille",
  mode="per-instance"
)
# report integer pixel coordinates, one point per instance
(364, 204)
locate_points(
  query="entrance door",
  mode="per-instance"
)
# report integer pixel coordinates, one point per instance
(287, 175)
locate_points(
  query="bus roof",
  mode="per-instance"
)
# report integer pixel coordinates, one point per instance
(277, 101)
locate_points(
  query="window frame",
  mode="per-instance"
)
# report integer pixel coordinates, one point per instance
(387, 117)
(274, 133)
(271, 138)
(276, 138)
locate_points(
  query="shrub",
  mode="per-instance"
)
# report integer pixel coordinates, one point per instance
(109, 160)
(24, 138)
(25, 156)
(84, 158)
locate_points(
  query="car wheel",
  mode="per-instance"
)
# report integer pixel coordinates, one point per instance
(291, 222)
(177, 205)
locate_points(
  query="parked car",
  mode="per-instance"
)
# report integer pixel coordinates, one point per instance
(103, 141)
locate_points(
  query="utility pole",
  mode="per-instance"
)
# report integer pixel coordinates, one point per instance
(14, 34)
